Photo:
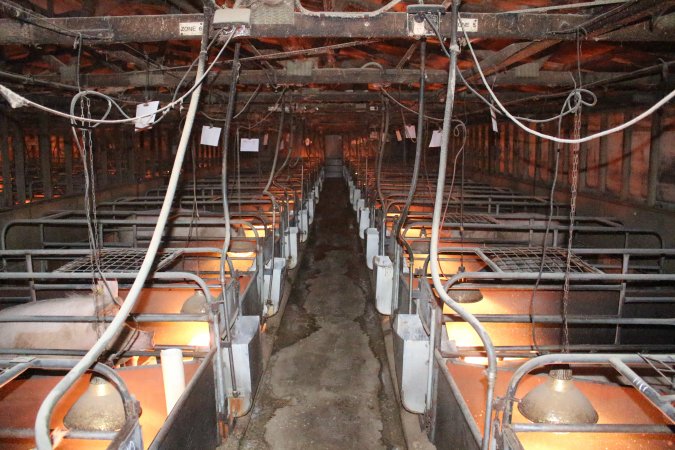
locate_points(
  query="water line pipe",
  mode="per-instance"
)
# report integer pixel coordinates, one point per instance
(433, 254)
(43, 418)
(227, 339)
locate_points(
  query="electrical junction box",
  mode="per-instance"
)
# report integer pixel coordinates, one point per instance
(419, 17)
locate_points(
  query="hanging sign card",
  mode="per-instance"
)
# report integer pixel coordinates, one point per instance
(249, 145)
(435, 139)
(145, 109)
(210, 136)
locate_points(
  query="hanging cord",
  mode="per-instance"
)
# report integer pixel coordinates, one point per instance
(226, 213)
(460, 127)
(544, 246)
(275, 205)
(461, 212)
(78, 44)
(195, 208)
(16, 101)
(266, 116)
(575, 148)
(402, 106)
(424, 165)
(289, 150)
(384, 132)
(86, 150)
(433, 254)
(43, 418)
(85, 147)
(420, 140)
(253, 96)
(574, 100)
(573, 208)
(280, 135)
(559, 140)
(282, 186)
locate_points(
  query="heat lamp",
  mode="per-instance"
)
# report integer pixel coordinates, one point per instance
(195, 304)
(100, 408)
(558, 401)
(465, 295)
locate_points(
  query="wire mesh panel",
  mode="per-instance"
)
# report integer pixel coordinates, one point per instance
(657, 383)
(468, 218)
(526, 259)
(665, 381)
(115, 261)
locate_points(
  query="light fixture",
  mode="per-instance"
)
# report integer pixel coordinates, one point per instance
(465, 295)
(100, 408)
(195, 304)
(558, 401)
(241, 246)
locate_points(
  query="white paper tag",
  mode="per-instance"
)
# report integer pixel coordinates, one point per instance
(435, 139)
(190, 28)
(373, 134)
(249, 145)
(266, 138)
(210, 136)
(144, 109)
(410, 132)
(398, 136)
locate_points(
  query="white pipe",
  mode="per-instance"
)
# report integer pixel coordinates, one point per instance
(173, 375)
(435, 228)
(43, 419)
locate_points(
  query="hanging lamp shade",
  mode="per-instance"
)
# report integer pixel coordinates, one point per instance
(195, 304)
(466, 295)
(558, 401)
(241, 246)
(100, 408)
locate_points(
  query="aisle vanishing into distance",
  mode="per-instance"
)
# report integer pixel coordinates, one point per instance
(328, 383)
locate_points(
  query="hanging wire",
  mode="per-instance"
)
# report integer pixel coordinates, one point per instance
(573, 207)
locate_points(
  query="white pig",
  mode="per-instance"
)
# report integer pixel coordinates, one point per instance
(69, 335)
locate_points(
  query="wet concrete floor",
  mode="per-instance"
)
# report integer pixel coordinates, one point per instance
(327, 385)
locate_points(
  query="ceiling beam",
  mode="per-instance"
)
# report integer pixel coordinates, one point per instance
(184, 6)
(508, 56)
(149, 28)
(624, 14)
(339, 76)
(408, 54)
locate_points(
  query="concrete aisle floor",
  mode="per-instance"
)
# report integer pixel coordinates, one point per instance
(327, 385)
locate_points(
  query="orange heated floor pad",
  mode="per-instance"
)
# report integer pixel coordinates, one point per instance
(23, 399)
(614, 404)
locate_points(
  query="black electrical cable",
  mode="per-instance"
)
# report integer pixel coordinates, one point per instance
(226, 211)
(420, 140)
